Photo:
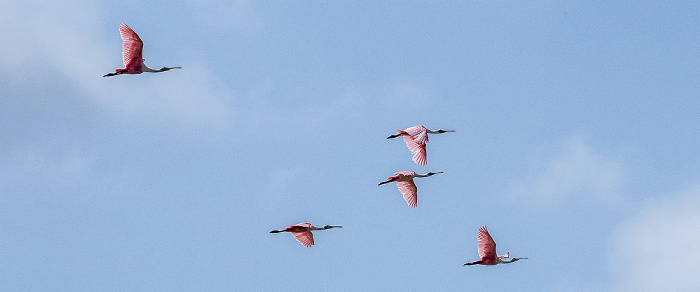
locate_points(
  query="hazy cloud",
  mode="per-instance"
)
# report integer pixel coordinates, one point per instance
(657, 248)
(576, 171)
(64, 40)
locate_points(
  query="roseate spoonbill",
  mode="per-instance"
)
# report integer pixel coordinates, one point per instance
(404, 180)
(487, 251)
(302, 232)
(416, 138)
(132, 49)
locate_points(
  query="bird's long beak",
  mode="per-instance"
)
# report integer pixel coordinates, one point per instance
(392, 136)
(275, 231)
(384, 182)
(169, 68)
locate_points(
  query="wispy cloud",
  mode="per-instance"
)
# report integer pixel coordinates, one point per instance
(64, 42)
(576, 172)
(657, 248)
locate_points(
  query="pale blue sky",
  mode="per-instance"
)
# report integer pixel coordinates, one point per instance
(576, 144)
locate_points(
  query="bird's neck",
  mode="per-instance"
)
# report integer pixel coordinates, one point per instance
(508, 262)
(425, 175)
(500, 261)
(145, 68)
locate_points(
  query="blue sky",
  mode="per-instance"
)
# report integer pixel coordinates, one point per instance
(576, 145)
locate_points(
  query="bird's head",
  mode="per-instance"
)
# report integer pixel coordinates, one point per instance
(433, 173)
(388, 180)
(444, 131)
(166, 68)
(398, 133)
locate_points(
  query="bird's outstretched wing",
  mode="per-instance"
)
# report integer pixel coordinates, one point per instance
(486, 245)
(420, 156)
(409, 191)
(306, 238)
(405, 173)
(132, 47)
(419, 134)
(304, 224)
(302, 233)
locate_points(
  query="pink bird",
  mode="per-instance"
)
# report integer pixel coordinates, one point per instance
(416, 138)
(302, 232)
(404, 180)
(487, 251)
(132, 49)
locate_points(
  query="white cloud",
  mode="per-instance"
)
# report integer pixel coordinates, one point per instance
(64, 42)
(185, 95)
(657, 248)
(577, 172)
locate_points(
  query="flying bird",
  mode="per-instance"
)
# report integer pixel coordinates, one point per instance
(132, 50)
(487, 251)
(416, 138)
(404, 180)
(302, 232)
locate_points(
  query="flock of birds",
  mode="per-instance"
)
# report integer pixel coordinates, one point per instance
(416, 139)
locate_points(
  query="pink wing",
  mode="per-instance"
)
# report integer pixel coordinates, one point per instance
(409, 191)
(305, 238)
(304, 224)
(419, 134)
(420, 156)
(486, 246)
(132, 47)
(405, 173)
